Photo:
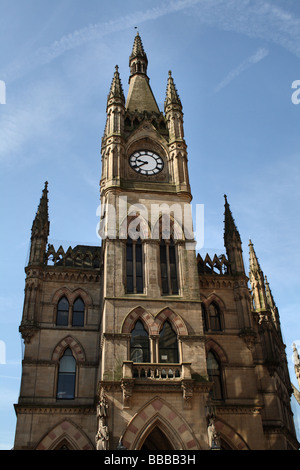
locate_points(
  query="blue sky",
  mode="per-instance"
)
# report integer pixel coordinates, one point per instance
(233, 63)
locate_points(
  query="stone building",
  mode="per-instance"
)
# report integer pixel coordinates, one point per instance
(140, 343)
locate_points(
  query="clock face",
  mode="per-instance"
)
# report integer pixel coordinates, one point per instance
(146, 162)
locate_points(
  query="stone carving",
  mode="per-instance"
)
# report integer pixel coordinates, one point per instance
(213, 436)
(102, 436)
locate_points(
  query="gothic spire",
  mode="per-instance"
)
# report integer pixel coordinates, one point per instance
(172, 97)
(40, 230)
(232, 242)
(138, 59)
(253, 260)
(270, 298)
(140, 97)
(116, 89)
(40, 225)
(230, 229)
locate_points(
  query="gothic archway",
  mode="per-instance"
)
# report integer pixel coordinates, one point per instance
(65, 436)
(158, 414)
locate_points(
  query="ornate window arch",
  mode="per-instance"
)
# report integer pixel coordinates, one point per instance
(70, 307)
(213, 314)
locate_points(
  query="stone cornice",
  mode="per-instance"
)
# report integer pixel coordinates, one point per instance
(31, 408)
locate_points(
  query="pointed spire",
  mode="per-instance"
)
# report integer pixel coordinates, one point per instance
(296, 358)
(270, 298)
(140, 97)
(116, 89)
(253, 260)
(231, 230)
(40, 225)
(138, 61)
(172, 97)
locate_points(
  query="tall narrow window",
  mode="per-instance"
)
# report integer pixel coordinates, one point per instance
(78, 313)
(204, 317)
(139, 345)
(214, 317)
(134, 266)
(214, 374)
(168, 344)
(173, 268)
(62, 317)
(66, 376)
(164, 267)
(168, 267)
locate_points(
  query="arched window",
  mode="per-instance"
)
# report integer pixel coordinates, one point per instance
(134, 266)
(66, 376)
(78, 313)
(139, 344)
(168, 267)
(62, 317)
(214, 374)
(168, 344)
(214, 317)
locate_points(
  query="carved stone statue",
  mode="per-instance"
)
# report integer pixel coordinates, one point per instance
(102, 407)
(102, 436)
(213, 437)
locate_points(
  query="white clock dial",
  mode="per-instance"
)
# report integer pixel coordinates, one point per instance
(146, 162)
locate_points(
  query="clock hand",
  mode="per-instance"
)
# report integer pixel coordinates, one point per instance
(141, 163)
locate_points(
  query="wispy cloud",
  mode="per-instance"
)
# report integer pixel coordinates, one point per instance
(246, 64)
(36, 115)
(91, 33)
(257, 18)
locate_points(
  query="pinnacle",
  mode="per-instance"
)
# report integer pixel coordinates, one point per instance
(253, 260)
(230, 227)
(172, 96)
(269, 294)
(42, 217)
(138, 49)
(116, 89)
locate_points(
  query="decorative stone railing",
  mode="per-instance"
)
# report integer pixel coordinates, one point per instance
(156, 371)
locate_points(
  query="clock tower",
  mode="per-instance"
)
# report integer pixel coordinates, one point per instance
(139, 344)
(152, 333)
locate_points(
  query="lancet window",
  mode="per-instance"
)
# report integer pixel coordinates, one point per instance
(139, 344)
(168, 267)
(66, 376)
(215, 376)
(168, 344)
(134, 266)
